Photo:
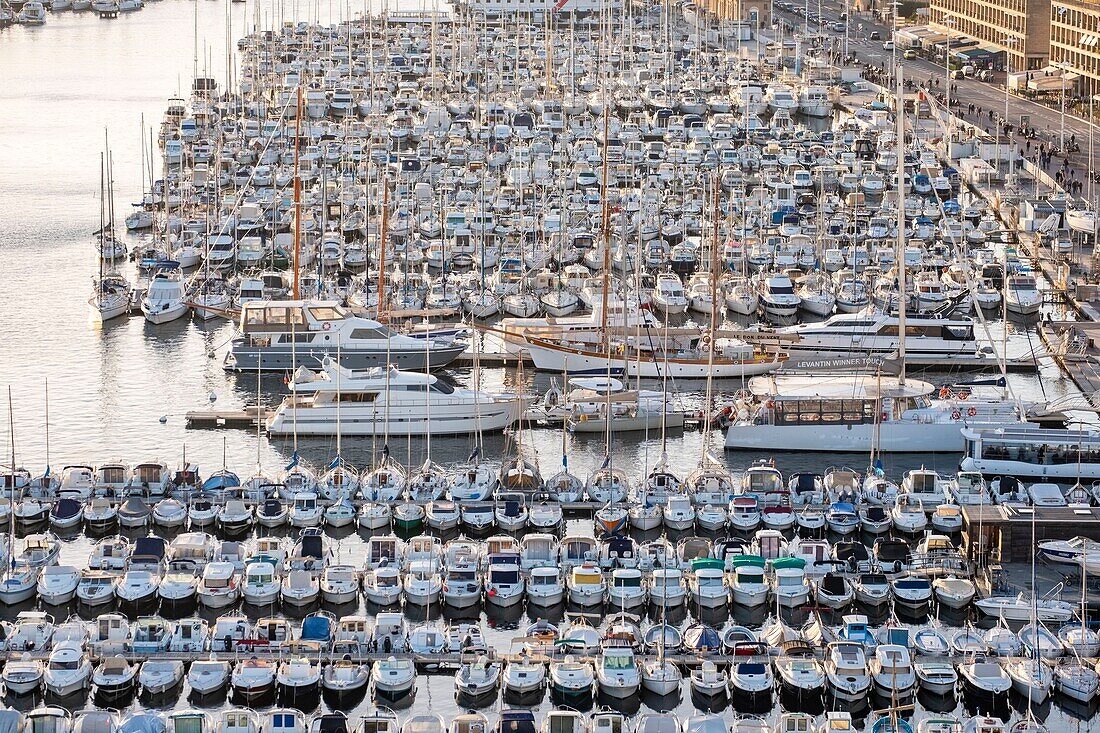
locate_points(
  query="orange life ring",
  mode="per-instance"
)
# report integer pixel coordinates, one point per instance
(956, 415)
(964, 395)
(944, 393)
(971, 411)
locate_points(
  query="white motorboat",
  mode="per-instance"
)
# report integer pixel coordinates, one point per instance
(383, 402)
(954, 592)
(300, 588)
(937, 677)
(208, 676)
(158, 676)
(165, 299)
(846, 671)
(571, 679)
(708, 681)
(220, 586)
(261, 583)
(298, 678)
(57, 584)
(345, 678)
(22, 674)
(477, 678)
(67, 671)
(617, 672)
(524, 676)
(393, 678)
(269, 331)
(892, 671)
(985, 677)
(1019, 608)
(114, 678)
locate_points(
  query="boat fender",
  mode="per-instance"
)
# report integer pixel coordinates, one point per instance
(971, 411)
(956, 415)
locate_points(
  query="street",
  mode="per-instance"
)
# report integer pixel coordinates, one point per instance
(986, 96)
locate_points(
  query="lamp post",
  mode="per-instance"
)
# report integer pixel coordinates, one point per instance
(949, 23)
(1088, 168)
(1007, 43)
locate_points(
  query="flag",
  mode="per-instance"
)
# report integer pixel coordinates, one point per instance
(293, 461)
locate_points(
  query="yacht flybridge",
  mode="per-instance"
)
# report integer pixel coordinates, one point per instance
(858, 413)
(387, 401)
(283, 335)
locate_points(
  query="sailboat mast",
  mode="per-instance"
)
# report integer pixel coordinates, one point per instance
(900, 120)
(605, 226)
(297, 198)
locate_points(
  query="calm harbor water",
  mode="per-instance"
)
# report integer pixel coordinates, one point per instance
(63, 86)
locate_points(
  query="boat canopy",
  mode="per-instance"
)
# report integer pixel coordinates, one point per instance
(836, 387)
(788, 562)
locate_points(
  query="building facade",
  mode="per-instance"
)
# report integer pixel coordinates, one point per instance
(1075, 41)
(1020, 28)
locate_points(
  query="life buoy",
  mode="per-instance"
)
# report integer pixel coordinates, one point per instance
(956, 415)
(885, 415)
(971, 411)
(964, 395)
(326, 326)
(944, 393)
(770, 404)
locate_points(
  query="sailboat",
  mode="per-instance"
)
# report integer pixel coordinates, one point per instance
(18, 582)
(111, 292)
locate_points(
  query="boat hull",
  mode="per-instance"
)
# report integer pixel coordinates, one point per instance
(891, 437)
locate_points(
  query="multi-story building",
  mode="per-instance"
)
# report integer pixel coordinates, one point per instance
(1020, 28)
(1075, 41)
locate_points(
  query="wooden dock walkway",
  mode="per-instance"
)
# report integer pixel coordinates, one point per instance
(245, 417)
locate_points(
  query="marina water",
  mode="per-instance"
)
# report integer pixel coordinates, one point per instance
(62, 86)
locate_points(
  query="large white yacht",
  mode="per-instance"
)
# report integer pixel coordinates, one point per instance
(855, 413)
(387, 401)
(850, 334)
(283, 335)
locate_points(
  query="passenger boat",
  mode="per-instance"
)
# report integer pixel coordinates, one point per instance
(858, 413)
(1032, 452)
